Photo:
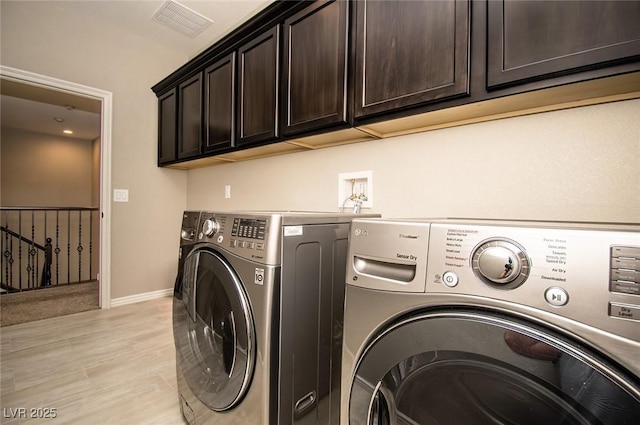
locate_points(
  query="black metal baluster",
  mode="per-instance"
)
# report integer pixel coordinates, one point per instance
(57, 250)
(5, 251)
(80, 249)
(33, 254)
(11, 260)
(20, 249)
(90, 245)
(68, 246)
(7, 254)
(46, 271)
(3, 241)
(30, 256)
(45, 281)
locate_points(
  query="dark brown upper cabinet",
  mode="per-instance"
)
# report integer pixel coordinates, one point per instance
(219, 89)
(258, 89)
(315, 78)
(190, 117)
(532, 40)
(381, 67)
(410, 53)
(167, 126)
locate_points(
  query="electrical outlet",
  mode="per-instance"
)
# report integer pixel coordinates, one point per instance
(227, 191)
(354, 187)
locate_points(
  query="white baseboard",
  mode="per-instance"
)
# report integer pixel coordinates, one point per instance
(147, 296)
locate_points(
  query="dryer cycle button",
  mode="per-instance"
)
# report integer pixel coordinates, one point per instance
(450, 279)
(623, 311)
(556, 296)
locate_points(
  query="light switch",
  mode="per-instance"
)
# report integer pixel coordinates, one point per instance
(120, 195)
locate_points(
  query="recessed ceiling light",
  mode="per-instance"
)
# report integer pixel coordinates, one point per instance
(67, 131)
(58, 119)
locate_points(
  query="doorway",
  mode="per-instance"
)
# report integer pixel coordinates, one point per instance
(34, 85)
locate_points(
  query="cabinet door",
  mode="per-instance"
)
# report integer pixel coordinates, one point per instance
(258, 89)
(167, 126)
(409, 53)
(219, 104)
(190, 117)
(315, 67)
(528, 40)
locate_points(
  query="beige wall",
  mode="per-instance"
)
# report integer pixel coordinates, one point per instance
(39, 170)
(577, 164)
(48, 38)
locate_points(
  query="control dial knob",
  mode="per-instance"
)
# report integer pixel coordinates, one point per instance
(210, 227)
(500, 263)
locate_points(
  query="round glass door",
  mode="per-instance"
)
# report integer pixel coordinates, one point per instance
(214, 331)
(476, 369)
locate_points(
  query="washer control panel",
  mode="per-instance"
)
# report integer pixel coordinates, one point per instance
(588, 273)
(247, 236)
(243, 232)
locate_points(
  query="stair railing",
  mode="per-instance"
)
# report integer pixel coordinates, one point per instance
(33, 242)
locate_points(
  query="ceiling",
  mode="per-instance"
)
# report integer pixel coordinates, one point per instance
(32, 108)
(46, 111)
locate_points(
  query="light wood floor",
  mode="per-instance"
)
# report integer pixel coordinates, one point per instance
(114, 366)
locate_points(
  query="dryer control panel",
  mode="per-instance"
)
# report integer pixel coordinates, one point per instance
(587, 273)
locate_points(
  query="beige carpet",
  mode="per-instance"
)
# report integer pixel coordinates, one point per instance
(49, 302)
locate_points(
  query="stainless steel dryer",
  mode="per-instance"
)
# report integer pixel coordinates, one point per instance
(258, 317)
(484, 322)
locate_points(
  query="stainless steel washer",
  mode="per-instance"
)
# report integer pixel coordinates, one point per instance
(257, 317)
(486, 322)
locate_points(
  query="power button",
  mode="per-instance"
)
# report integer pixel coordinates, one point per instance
(450, 279)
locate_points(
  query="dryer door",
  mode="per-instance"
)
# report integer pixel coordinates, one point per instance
(214, 331)
(477, 368)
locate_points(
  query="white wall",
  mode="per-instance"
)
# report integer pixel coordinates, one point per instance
(576, 164)
(48, 38)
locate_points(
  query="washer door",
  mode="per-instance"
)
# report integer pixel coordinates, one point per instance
(478, 368)
(214, 331)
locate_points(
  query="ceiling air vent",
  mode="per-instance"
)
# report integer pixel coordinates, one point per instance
(180, 18)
